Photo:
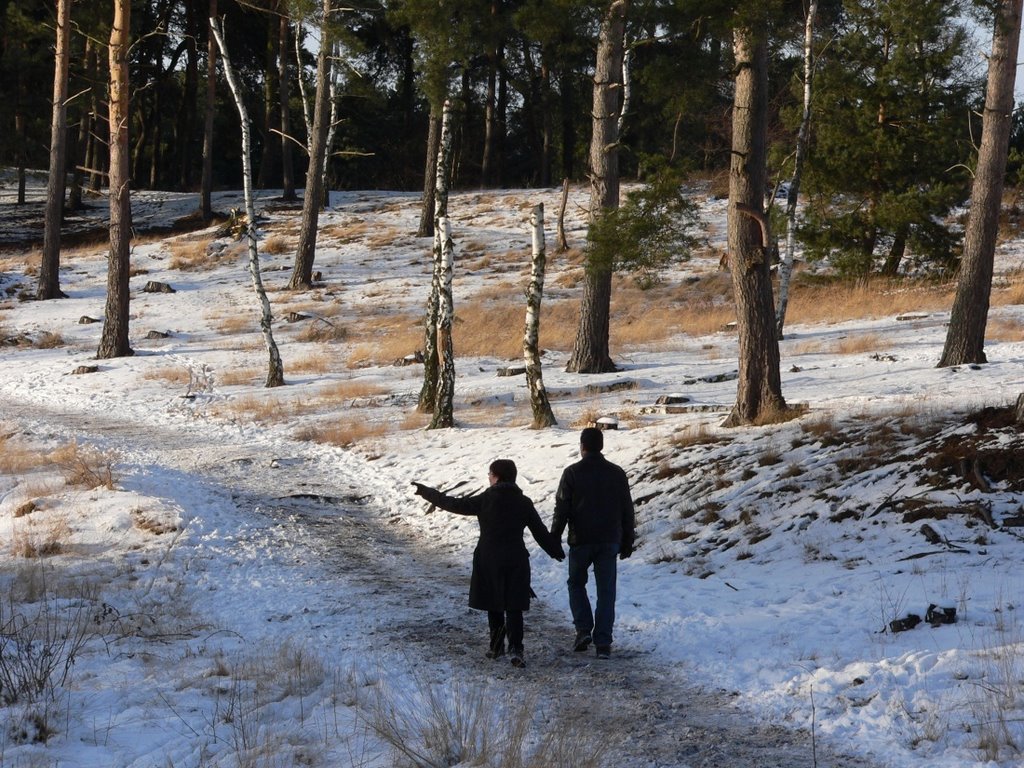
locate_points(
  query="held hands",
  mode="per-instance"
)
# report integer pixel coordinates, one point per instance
(559, 554)
(420, 489)
(626, 551)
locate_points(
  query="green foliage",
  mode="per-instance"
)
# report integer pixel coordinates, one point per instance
(655, 226)
(890, 136)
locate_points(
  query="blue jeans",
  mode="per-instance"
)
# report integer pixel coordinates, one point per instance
(602, 558)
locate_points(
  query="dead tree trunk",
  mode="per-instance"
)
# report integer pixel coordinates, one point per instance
(793, 193)
(49, 268)
(284, 82)
(539, 403)
(114, 339)
(965, 339)
(275, 369)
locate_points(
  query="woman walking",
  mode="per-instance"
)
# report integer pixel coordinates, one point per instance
(500, 583)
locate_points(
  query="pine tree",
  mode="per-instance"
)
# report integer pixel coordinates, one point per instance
(889, 130)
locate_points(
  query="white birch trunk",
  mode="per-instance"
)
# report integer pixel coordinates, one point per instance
(444, 257)
(539, 403)
(627, 87)
(786, 267)
(275, 370)
(307, 113)
(444, 409)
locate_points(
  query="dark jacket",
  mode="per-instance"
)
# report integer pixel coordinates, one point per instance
(501, 564)
(593, 499)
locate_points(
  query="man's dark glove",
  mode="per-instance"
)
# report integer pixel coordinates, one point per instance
(559, 554)
(626, 551)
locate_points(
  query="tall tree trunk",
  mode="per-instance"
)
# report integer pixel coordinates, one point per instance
(114, 339)
(490, 117)
(206, 193)
(793, 193)
(444, 255)
(965, 339)
(49, 270)
(759, 387)
(271, 119)
(561, 241)
(430, 391)
(568, 112)
(590, 351)
(275, 369)
(302, 274)
(284, 81)
(428, 206)
(190, 93)
(539, 403)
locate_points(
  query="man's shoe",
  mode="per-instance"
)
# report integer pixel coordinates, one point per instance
(583, 640)
(604, 651)
(495, 653)
(516, 656)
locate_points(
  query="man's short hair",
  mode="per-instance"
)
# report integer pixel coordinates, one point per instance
(592, 440)
(504, 470)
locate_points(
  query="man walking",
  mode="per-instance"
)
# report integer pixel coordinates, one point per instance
(593, 500)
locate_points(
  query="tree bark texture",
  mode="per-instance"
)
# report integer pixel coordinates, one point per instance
(284, 81)
(114, 339)
(428, 208)
(444, 409)
(206, 192)
(965, 339)
(49, 268)
(275, 368)
(800, 156)
(539, 403)
(759, 387)
(590, 352)
(561, 241)
(302, 274)
(435, 355)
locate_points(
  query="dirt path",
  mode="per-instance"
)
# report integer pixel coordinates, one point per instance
(649, 716)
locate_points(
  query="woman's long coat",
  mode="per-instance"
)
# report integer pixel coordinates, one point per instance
(501, 563)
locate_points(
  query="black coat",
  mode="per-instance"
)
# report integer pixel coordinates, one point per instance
(593, 499)
(501, 563)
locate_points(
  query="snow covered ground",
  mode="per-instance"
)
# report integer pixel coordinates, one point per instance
(253, 596)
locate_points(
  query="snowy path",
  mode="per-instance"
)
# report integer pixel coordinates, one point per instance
(322, 533)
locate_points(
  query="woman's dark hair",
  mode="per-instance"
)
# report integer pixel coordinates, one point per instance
(504, 470)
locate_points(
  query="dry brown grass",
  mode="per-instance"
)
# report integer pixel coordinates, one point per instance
(258, 408)
(152, 522)
(84, 466)
(341, 391)
(322, 330)
(41, 539)
(695, 435)
(179, 376)
(190, 254)
(348, 233)
(343, 432)
(242, 322)
(1011, 293)
(861, 343)
(383, 340)
(1004, 329)
(312, 362)
(49, 340)
(275, 244)
(17, 458)
(836, 301)
(240, 377)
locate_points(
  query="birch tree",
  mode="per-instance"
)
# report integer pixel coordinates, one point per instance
(114, 339)
(590, 350)
(539, 403)
(302, 272)
(284, 82)
(800, 155)
(438, 353)
(759, 387)
(275, 369)
(965, 339)
(49, 268)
